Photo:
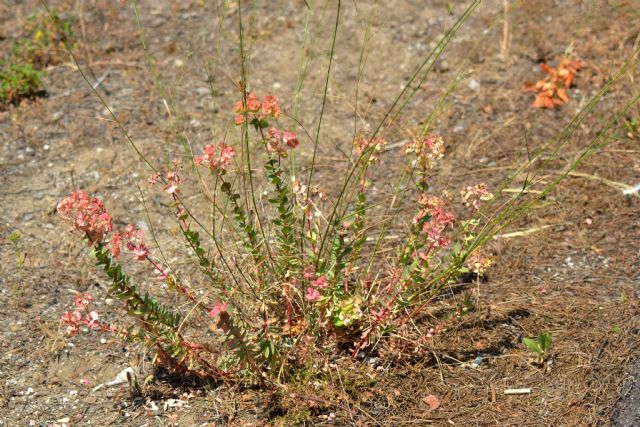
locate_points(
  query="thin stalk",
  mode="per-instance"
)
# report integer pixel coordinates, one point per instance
(245, 134)
(508, 216)
(318, 128)
(324, 99)
(302, 69)
(432, 57)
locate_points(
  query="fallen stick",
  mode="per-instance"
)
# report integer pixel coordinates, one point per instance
(517, 391)
(632, 190)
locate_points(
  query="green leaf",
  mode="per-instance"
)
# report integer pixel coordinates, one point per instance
(266, 351)
(545, 341)
(532, 344)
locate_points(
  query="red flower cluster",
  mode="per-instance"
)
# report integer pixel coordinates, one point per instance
(83, 300)
(171, 179)
(218, 308)
(309, 272)
(270, 107)
(478, 263)
(214, 158)
(153, 179)
(87, 214)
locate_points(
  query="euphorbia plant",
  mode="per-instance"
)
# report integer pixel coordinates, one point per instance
(284, 279)
(280, 294)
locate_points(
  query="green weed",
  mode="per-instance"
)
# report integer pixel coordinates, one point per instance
(41, 45)
(19, 81)
(541, 345)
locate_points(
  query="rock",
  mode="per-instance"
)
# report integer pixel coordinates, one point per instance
(119, 379)
(443, 66)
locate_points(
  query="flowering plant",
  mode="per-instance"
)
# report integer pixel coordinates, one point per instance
(294, 284)
(283, 280)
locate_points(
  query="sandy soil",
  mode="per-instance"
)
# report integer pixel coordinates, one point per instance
(575, 272)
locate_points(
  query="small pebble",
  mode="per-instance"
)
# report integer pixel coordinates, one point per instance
(443, 66)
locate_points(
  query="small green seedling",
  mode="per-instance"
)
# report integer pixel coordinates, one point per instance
(541, 345)
(623, 298)
(14, 239)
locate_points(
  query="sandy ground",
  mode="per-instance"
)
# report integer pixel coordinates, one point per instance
(575, 272)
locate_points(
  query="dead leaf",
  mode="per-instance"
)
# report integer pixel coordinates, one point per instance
(550, 71)
(480, 345)
(552, 90)
(432, 401)
(562, 94)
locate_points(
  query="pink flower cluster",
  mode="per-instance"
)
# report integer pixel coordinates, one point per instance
(313, 294)
(374, 147)
(307, 200)
(279, 142)
(216, 158)
(435, 226)
(218, 308)
(173, 182)
(171, 178)
(428, 150)
(429, 204)
(153, 179)
(134, 243)
(473, 195)
(270, 107)
(87, 214)
(82, 315)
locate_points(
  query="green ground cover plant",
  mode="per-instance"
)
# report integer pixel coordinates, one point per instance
(22, 69)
